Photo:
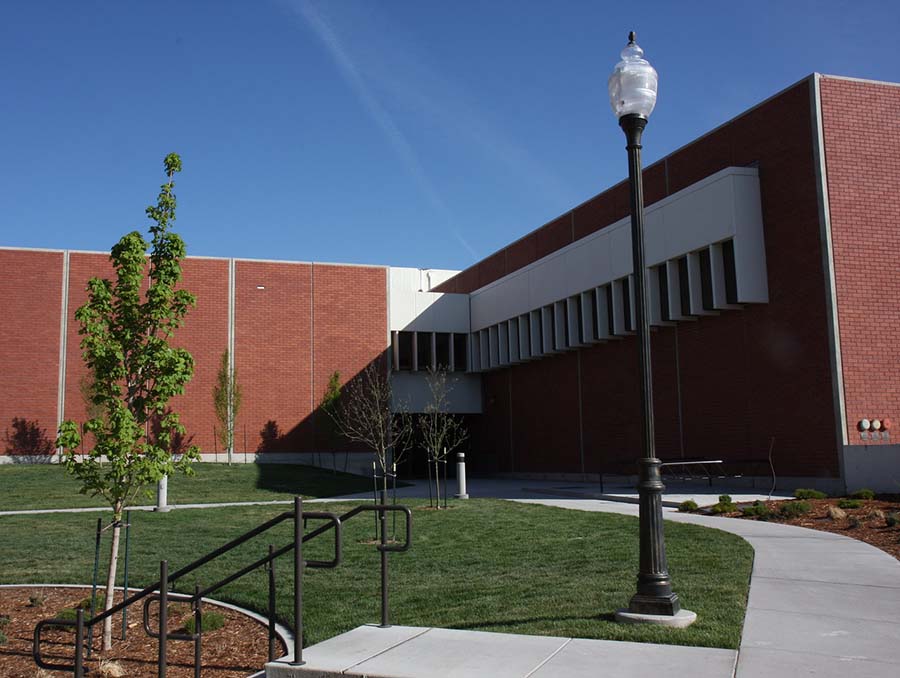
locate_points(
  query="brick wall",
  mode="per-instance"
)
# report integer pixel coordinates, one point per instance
(30, 296)
(306, 322)
(861, 125)
(744, 376)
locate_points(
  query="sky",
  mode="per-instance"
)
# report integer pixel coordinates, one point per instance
(397, 132)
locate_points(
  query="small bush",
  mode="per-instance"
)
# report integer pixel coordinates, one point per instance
(725, 505)
(37, 599)
(849, 503)
(66, 614)
(4, 620)
(99, 602)
(877, 515)
(3, 638)
(802, 493)
(209, 621)
(865, 494)
(758, 510)
(688, 506)
(892, 519)
(854, 522)
(836, 513)
(794, 509)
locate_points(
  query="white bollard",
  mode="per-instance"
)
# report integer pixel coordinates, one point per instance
(461, 475)
(162, 495)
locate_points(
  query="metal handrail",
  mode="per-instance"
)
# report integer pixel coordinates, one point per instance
(159, 590)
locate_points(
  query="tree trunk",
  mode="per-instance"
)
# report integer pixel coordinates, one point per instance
(111, 576)
(437, 482)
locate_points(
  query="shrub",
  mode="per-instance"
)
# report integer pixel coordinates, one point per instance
(99, 602)
(27, 438)
(802, 493)
(4, 620)
(877, 514)
(66, 614)
(864, 493)
(849, 503)
(758, 510)
(892, 519)
(3, 638)
(794, 509)
(209, 621)
(37, 599)
(725, 505)
(836, 513)
(688, 506)
(854, 522)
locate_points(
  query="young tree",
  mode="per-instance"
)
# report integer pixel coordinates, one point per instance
(329, 406)
(227, 401)
(365, 415)
(134, 371)
(441, 431)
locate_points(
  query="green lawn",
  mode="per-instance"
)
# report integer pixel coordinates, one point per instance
(39, 486)
(483, 564)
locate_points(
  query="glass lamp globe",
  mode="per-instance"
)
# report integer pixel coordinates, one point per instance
(633, 83)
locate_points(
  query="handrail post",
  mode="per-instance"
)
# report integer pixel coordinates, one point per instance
(163, 616)
(79, 643)
(271, 573)
(298, 582)
(384, 574)
(198, 630)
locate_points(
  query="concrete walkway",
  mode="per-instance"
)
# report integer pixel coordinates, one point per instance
(820, 605)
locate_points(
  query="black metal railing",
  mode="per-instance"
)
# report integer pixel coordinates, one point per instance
(159, 591)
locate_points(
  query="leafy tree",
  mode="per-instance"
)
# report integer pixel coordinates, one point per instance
(329, 405)
(366, 415)
(441, 431)
(227, 400)
(125, 327)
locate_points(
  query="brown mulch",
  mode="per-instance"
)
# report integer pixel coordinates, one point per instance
(870, 529)
(236, 650)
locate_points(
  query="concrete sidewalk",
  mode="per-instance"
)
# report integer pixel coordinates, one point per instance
(415, 652)
(820, 605)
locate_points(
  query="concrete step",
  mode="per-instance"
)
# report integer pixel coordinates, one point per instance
(418, 652)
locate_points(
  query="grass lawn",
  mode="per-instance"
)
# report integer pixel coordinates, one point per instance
(484, 564)
(41, 486)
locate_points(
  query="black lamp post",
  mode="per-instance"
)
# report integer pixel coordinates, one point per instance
(632, 94)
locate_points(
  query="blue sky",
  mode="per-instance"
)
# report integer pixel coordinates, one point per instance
(389, 132)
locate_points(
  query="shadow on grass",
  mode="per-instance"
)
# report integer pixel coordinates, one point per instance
(309, 481)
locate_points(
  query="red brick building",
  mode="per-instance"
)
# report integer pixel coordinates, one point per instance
(773, 268)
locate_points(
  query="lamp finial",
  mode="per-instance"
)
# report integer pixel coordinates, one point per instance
(631, 38)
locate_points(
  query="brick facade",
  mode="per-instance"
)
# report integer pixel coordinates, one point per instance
(30, 297)
(725, 386)
(307, 321)
(861, 126)
(744, 377)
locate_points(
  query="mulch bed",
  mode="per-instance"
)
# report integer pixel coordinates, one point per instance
(869, 528)
(236, 650)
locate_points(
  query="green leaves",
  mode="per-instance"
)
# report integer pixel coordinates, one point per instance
(125, 326)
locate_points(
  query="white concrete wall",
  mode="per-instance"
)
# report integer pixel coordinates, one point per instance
(411, 392)
(414, 308)
(723, 206)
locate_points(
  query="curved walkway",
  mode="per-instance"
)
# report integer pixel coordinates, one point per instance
(821, 604)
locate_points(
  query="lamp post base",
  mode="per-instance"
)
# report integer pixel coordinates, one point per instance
(679, 620)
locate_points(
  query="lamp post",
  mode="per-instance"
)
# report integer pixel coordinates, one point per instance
(632, 94)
